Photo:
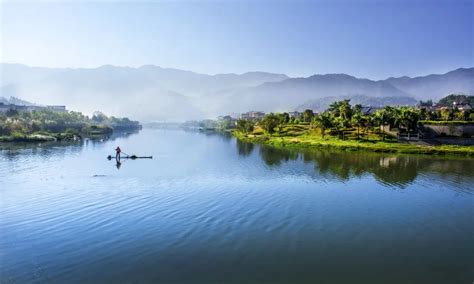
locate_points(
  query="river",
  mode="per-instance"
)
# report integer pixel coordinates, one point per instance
(210, 209)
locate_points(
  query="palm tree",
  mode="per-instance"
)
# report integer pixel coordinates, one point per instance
(308, 115)
(338, 123)
(357, 120)
(383, 117)
(335, 107)
(408, 118)
(324, 122)
(345, 110)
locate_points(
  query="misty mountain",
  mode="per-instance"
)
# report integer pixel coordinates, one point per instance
(287, 95)
(154, 93)
(437, 86)
(146, 93)
(194, 84)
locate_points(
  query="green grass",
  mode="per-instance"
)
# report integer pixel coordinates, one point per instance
(311, 139)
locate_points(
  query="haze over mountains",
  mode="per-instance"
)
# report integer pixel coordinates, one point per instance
(154, 93)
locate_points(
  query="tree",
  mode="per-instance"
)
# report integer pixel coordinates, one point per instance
(456, 99)
(323, 121)
(357, 109)
(358, 120)
(407, 117)
(99, 117)
(308, 115)
(368, 121)
(11, 112)
(245, 125)
(338, 124)
(283, 119)
(461, 115)
(269, 122)
(334, 108)
(384, 117)
(224, 124)
(446, 114)
(345, 111)
(427, 103)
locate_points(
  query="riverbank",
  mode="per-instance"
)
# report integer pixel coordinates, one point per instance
(48, 136)
(68, 135)
(316, 141)
(47, 125)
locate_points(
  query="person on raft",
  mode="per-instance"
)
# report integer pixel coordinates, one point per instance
(117, 153)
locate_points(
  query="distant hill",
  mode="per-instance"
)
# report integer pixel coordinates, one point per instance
(147, 93)
(15, 101)
(155, 93)
(436, 86)
(457, 99)
(291, 93)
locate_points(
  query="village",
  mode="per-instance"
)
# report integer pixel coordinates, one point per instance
(30, 107)
(450, 122)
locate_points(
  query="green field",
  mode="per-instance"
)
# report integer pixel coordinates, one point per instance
(303, 136)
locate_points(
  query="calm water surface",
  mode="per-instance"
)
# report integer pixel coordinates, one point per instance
(210, 209)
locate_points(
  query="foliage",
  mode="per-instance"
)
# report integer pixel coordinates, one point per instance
(324, 122)
(245, 125)
(457, 99)
(48, 121)
(427, 103)
(306, 141)
(308, 115)
(269, 122)
(349, 122)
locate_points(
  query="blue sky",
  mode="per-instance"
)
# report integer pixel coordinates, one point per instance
(372, 39)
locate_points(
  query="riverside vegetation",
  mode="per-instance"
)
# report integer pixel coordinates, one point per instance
(348, 127)
(47, 125)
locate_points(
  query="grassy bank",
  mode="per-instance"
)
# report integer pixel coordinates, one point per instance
(47, 125)
(311, 139)
(48, 136)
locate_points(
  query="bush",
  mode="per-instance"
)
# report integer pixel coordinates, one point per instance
(245, 125)
(269, 122)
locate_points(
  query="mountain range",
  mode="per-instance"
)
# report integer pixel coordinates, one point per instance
(154, 93)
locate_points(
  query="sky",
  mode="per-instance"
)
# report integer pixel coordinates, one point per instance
(368, 39)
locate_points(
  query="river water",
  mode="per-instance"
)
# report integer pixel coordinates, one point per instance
(210, 209)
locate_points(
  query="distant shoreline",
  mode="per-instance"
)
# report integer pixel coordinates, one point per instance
(63, 136)
(306, 142)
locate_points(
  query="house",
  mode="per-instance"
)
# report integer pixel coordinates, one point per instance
(295, 114)
(366, 110)
(464, 107)
(252, 115)
(58, 108)
(5, 107)
(427, 108)
(24, 108)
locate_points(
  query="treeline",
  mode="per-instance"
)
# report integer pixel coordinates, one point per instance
(341, 115)
(46, 121)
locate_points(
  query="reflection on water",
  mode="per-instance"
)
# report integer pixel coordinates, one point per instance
(244, 148)
(210, 209)
(391, 169)
(45, 149)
